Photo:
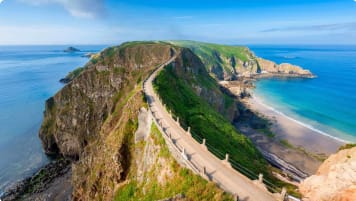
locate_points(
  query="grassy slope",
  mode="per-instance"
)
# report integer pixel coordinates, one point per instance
(208, 52)
(182, 180)
(206, 123)
(205, 49)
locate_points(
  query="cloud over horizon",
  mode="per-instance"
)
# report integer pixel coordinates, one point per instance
(77, 8)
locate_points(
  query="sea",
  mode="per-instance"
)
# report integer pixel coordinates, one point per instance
(29, 75)
(327, 103)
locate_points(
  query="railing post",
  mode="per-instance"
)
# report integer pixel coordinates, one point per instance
(178, 120)
(260, 178)
(188, 130)
(226, 161)
(204, 144)
(184, 155)
(283, 194)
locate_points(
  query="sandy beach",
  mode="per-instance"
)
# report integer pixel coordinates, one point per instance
(295, 132)
(308, 146)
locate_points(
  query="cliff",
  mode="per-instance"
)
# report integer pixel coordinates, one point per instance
(93, 121)
(75, 115)
(94, 118)
(200, 103)
(335, 179)
(225, 62)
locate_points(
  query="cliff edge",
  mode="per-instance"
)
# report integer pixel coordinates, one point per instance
(335, 179)
(93, 121)
(225, 62)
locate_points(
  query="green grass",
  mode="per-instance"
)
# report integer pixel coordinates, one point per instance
(286, 143)
(207, 123)
(75, 73)
(183, 181)
(159, 140)
(218, 56)
(267, 132)
(206, 49)
(347, 146)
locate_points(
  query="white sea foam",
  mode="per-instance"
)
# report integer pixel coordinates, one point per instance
(259, 101)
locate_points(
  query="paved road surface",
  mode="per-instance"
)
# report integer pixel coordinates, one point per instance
(218, 171)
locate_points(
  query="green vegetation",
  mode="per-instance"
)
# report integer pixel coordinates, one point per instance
(347, 146)
(206, 50)
(75, 73)
(267, 131)
(286, 143)
(218, 59)
(181, 180)
(133, 43)
(207, 123)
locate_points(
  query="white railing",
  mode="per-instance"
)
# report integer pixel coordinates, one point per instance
(196, 168)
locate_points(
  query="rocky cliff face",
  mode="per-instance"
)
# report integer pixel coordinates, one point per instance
(269, 68)
(94, 118)
(74, 116)
(335, 179)
(231, 62)
(190, 67)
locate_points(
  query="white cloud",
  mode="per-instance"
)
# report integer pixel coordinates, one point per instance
(38, 35)
(77, 8)
(1, 1)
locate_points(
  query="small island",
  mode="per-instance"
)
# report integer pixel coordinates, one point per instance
(71, 49)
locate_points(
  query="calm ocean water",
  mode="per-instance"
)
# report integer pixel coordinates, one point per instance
(28, 76)
(326, 103)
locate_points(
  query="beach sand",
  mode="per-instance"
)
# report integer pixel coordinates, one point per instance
(308, 146)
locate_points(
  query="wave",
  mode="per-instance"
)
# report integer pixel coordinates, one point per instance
(258, 100)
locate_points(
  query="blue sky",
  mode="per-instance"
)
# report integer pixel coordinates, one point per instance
(229, 21)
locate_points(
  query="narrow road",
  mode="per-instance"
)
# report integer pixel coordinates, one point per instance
(196, 154)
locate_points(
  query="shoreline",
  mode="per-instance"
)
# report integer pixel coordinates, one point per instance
(258, 100)
(52, 181)
(295, 132)
(293, 143)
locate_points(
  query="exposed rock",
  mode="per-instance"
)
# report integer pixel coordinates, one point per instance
(89, 55)
(335, 179)
(144, 125)
(37, 187)
(92, 95)
(293, 172)
(269, 69)
(226, 62)
(214, 96)
(71, 49)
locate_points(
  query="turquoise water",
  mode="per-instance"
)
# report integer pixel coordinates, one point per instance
(28, 76)
(326, 103)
